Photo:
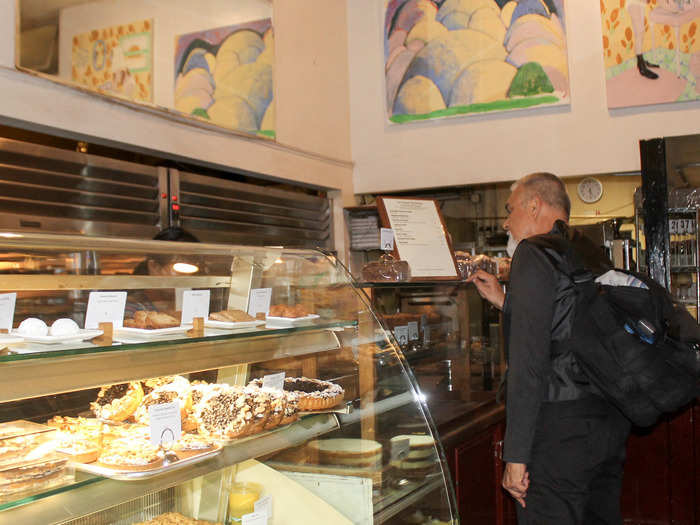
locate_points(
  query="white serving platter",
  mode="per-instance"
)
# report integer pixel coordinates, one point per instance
(61, 339)
(156, 332)
(7, 339)
(290, 322)
(225, 325)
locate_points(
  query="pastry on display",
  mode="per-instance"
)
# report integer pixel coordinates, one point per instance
(191, 444)
(278, 404)
(151, 320)
(78, 437)
(314, 394)
(421, 458)
(33, 475)
(33, 327)
(291, 408)
(420, 446)
(386, 269)
(176, 390)
(130, 454)
(117, 402)
(283, 310)
(64, 326)
(260, 402)
(231, 316)
(174, 518)
(225, 413)
(350, 452)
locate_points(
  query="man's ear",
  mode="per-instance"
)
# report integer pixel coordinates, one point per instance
(534, 206)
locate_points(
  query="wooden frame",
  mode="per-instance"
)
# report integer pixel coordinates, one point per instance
(386, 223)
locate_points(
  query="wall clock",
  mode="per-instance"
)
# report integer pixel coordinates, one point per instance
(590, 190)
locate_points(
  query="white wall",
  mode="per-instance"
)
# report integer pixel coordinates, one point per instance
(584, 138)
(171, 18)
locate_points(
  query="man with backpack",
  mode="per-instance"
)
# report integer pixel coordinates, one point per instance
(564, 445)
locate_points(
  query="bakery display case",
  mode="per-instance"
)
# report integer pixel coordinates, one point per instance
(175, 382)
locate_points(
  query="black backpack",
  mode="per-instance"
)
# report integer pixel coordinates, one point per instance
(633, 345)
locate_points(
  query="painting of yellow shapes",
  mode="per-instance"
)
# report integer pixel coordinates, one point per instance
(224, 75)
(459, 57)
(651, 50)
(116, 60)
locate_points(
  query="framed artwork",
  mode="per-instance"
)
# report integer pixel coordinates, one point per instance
(116, 60)
(225, 75)
(651, 51)
(445, 58)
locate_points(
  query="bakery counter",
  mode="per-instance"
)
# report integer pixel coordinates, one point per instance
(88, 492)
(92, 366)
(458, 420)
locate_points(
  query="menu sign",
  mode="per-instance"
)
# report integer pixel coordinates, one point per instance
(420, 236)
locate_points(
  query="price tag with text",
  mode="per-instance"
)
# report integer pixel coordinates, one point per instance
(165, 423)
(264, 506)
(254, 518)
(105, 307)
(413, 331)
(275, 381)
(195, 303)
(387, 239)
(400, 448)
(7, 310)
(401, 335)
(259, 301)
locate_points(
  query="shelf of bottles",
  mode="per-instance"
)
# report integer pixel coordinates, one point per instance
(683, 257)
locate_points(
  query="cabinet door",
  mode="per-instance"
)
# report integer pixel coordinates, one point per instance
(477, 479)
(660, 471)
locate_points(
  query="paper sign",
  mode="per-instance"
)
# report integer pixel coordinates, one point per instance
(7, 310)
(254, 518)
(195, 303)
(259, 301)
(401, 335)
(400, 448)
(105, 307)
(264, 506)
(387, 239)
(413, 331)
(165, 422)
(275, 381)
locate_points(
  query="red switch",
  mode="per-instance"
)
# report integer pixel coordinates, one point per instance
(176, 207)
(174, 198)
(163, 195)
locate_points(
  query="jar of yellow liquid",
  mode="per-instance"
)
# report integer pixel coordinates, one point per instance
(241, 500)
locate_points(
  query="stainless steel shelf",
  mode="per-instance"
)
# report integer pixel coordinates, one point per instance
(85, 499)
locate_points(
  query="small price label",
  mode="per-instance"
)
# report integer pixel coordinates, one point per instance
(264, 506)
(401, 335)
(413, 331)
(426, 335)
(254, 518)
(672, 226)
(259, 301)
(275, 381)
(195, 303)
(165, 423)
(400, 448)
(105, 307)
(7, 310)
(387, 239)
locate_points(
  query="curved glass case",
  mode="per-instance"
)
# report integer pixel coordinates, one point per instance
(333, 431)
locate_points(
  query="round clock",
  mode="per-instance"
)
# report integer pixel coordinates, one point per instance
(590, 190)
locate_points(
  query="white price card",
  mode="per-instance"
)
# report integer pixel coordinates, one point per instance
(7, 310)
(259, 301)
(275, 381)
(400, 448)
(413, 331)
(165, 423)
(426, 335)
(254, 518)
(387, 239)
(195, 303)
(105, 307)
(264, 506)
(401, 334)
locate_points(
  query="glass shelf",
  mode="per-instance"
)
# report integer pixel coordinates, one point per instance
(393, 502)
(81, 480)
(409, 284)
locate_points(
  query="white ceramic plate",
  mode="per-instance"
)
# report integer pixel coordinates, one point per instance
(156, 332)
(224, 325)
(56, 339)
(7, 339)
(289, 322)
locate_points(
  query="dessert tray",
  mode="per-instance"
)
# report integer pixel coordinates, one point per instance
(113, 472)
(289, 322)
(151, 333)
(226, 325)
(57, 339)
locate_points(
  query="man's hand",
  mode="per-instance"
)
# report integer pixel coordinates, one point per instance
(489, 288)
(516, 480)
